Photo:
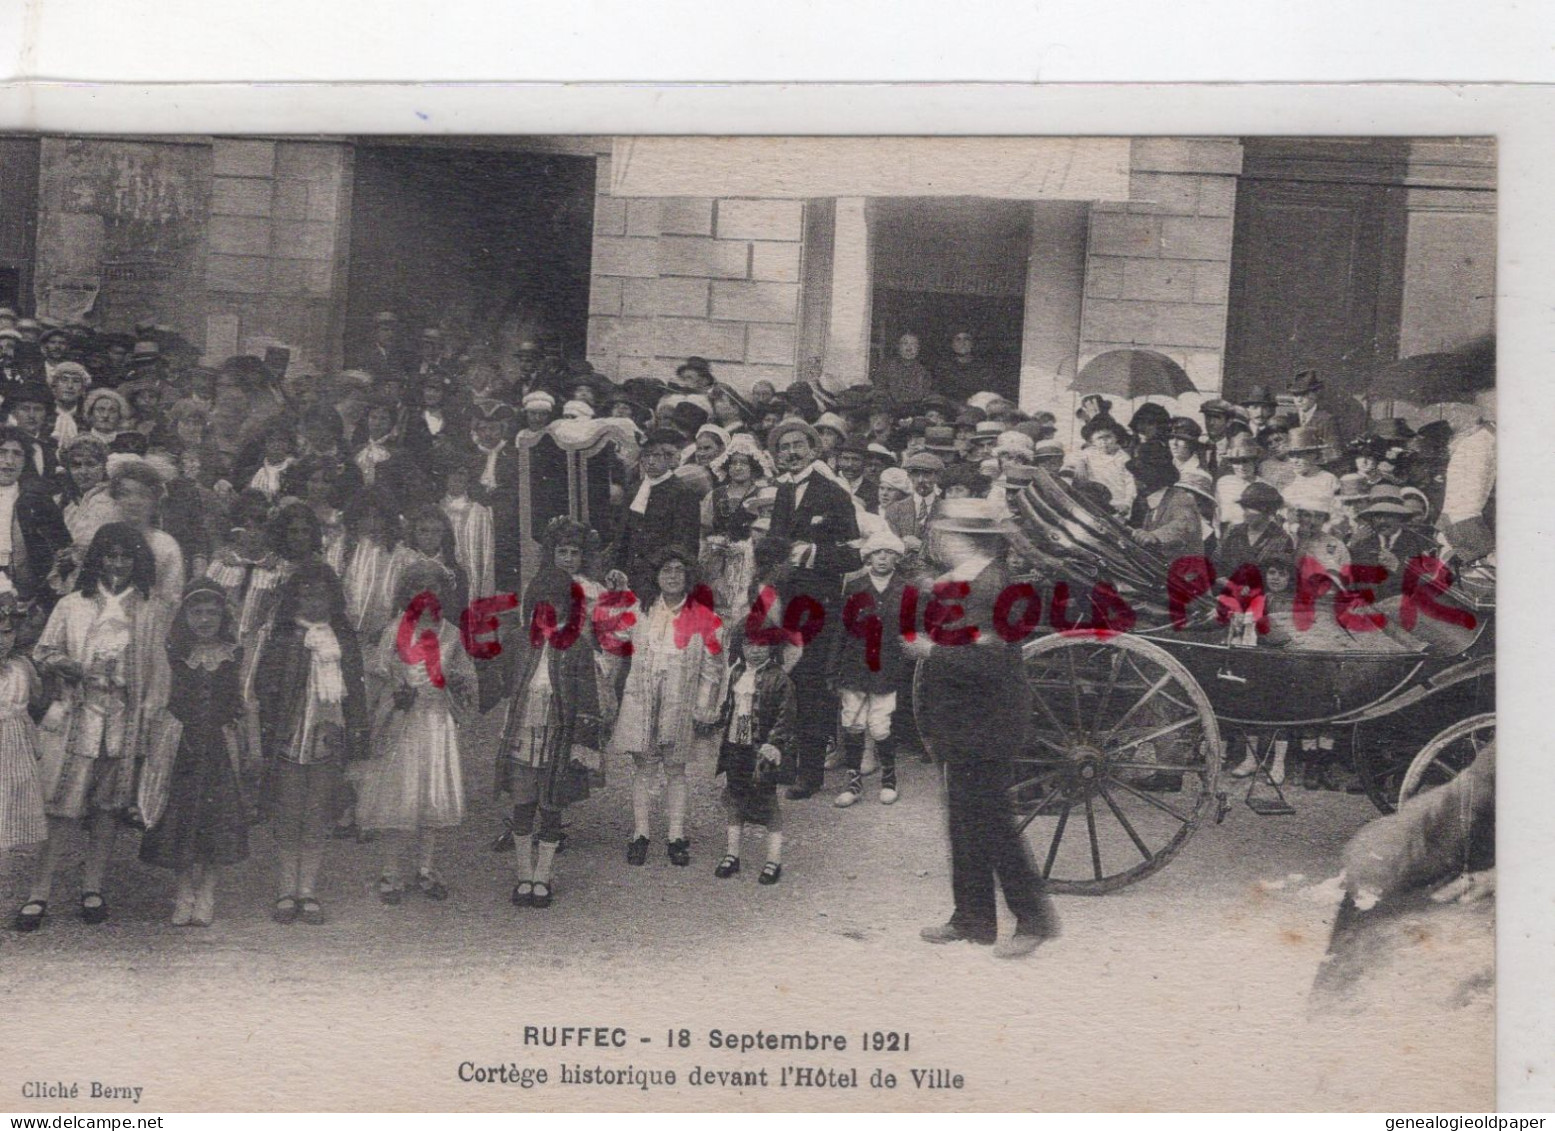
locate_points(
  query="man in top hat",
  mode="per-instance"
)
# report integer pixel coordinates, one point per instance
(902, 378)
(661, 511)
(1259, 405)
(817, 518)
(976, 734)
(1319, 421)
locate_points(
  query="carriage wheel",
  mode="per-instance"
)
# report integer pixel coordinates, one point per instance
(1448, 755)
(1122, 765)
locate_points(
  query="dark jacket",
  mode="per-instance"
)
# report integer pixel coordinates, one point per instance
(776, 714)
(281, 680)
(44, 534)
(673, 517)
(1239, 549)
(825, 517)
(853, 670)
(973, 703)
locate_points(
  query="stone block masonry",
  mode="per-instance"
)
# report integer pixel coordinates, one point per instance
(1158, 267)
(679, 276)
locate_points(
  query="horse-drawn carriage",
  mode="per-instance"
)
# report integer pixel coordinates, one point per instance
(1130, 729)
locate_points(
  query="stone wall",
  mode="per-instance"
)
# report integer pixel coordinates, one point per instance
(237, 244)
(278, 238)
(681, 276)
(1158, 268)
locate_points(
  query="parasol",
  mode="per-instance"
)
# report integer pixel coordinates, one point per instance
(1132, 373)
(1434, 378)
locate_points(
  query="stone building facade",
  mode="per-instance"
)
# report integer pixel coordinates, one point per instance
(1178, 245)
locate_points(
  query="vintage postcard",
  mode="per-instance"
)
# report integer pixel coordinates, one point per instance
(614, 622)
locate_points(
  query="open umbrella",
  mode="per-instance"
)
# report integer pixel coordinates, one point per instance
(1434, 378)
(1133, 373)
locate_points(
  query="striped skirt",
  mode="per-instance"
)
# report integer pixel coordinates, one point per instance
(21, 796)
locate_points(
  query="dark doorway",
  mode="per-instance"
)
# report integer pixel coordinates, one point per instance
(1317, 263)
(18, 220)
(941, 265)
(474, 240)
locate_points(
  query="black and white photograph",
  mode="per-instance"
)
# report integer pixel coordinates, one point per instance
(561, 622)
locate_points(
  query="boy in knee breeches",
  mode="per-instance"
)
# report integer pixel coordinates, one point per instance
(869, 664)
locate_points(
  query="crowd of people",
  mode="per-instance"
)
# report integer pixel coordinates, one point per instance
(249, 594)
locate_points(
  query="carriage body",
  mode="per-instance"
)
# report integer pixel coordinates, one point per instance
(1129, 730)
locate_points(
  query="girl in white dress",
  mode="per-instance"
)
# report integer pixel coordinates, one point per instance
(105, 643)
(415, 784)
(474, 534)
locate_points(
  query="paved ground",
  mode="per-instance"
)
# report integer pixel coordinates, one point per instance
(1188, 990)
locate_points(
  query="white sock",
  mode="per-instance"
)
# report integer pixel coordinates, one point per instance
(734, 840)
(523, 858)
(640, 811)
(774, 848)
(676, 803)
(545, 855)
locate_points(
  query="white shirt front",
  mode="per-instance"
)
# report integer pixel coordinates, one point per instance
(8, 497)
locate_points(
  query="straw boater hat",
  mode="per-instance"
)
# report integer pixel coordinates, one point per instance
(834, 422)
(881, 452)
(969, 516)
(1386, 499)
(940, 438)
(539, 401)
(791, 424)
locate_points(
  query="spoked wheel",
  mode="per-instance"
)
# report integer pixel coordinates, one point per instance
(1448, 755)
(1124, 757)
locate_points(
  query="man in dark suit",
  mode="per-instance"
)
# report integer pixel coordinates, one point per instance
(816, 516)
(34, 530)
(28, 407)
(660, 511)
(854, 475)
(973, 708)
